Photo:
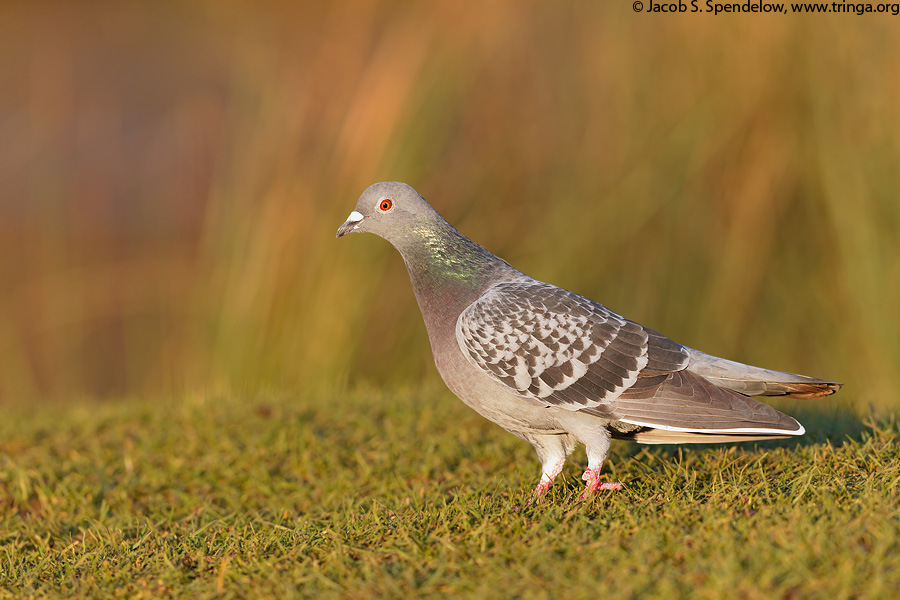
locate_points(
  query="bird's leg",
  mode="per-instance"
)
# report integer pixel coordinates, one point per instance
(596, 455)
(552, 451)
(548, 473)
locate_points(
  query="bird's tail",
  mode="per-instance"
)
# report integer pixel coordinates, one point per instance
(662, 436)
(754, 381)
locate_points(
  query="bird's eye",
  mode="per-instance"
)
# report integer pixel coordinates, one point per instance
(385, 205)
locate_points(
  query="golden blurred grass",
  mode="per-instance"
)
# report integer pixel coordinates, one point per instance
(172, 175)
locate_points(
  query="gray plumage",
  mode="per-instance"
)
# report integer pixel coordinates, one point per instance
(555, 368)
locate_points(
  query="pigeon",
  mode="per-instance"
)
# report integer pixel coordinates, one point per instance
(557, 369)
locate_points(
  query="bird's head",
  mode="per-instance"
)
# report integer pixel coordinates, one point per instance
(388, 209)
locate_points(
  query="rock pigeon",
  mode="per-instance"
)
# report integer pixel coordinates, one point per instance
(555, 368)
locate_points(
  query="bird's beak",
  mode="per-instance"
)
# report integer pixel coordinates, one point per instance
(350, 224)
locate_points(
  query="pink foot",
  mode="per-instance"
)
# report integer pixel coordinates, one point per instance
(613, 486)
(592, 477)
(547, 478)
(542, 488)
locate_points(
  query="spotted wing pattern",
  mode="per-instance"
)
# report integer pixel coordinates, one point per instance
(551, 345)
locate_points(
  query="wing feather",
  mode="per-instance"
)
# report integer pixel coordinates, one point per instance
(545, 343)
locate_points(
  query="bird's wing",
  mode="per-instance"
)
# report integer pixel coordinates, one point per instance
(547, 344)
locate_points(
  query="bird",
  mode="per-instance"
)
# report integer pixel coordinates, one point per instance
(557, 369)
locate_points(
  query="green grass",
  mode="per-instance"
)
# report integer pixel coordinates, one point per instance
(411, 494)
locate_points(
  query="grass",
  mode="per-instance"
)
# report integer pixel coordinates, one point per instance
(372, 494)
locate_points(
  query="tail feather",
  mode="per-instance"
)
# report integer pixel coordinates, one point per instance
(755, 381)
(662, 436)
(808, 391)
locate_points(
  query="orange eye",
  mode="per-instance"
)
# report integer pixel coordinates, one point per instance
(385, 205)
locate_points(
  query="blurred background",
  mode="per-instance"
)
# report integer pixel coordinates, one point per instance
(172, 175)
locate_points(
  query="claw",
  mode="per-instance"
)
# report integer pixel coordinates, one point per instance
(592, 477)
(613, 486)
(542, 488)
(551, 470)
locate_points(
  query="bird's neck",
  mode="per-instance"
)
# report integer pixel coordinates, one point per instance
(448, 272)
